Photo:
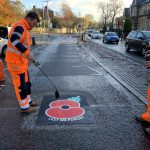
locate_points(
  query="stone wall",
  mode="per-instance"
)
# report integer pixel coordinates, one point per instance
(46, 30)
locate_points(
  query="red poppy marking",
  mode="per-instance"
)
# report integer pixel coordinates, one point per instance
(57, 110)
(63, 102)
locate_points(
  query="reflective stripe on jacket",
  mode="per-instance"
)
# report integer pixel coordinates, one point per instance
(14, 55)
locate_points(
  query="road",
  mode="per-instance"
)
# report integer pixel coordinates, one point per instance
(108, 122)
(120, 47)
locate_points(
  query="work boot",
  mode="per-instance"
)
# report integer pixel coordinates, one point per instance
(140, 119)
(33, 104)
(29, 110)
(147, 130)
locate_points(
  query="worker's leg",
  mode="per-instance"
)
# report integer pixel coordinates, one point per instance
(18, 77)
(28, 86)
(20, 89)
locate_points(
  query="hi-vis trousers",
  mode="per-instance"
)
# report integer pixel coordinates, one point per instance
(146, 115)
(22, 86)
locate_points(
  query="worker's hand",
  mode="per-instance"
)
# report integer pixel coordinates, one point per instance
(30, 56)
(147, 64)
(147, 58)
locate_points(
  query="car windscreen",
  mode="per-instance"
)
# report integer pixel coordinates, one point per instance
(112, 34)
(147, 34)
(96, 33)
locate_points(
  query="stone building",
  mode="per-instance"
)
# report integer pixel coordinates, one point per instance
(140, 14)
(44, 13)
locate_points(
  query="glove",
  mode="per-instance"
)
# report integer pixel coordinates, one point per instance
(30, 56)
(147, 59)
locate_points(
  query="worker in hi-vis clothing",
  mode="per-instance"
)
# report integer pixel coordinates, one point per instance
(145, 117)
(18, 56)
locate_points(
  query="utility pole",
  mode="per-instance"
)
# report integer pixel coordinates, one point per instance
(48, 18)
(43, 17)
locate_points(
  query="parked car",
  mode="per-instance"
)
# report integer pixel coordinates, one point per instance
(138, 40)
(3, 46)
(96, 35)
(110, 37)
(90, 32)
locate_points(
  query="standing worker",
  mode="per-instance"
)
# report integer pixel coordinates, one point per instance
(18, 56)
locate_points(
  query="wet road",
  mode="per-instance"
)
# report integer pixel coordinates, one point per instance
(120, 47)
(71, 68)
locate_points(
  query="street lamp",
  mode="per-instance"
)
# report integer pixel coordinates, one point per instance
(123, 21)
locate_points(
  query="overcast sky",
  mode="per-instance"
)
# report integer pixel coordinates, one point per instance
(82, 6)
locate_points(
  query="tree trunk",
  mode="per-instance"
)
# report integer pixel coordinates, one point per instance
(112, 22)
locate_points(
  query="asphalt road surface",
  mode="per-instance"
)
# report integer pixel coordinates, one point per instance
(108, 122)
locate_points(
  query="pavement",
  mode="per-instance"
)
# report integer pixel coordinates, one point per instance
(133, 75)
(112, 107)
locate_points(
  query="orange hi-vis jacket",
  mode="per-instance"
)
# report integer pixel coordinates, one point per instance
(16, 59)
(18, 48)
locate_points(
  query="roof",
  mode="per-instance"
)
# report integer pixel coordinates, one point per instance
(139, 2)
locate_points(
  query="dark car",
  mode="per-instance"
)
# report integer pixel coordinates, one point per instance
(110, 37)
(138, 40)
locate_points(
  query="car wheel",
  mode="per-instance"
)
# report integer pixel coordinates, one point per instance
(143, 50)
(127, 47)
(4, 51)
(117, 42)
(103, 41)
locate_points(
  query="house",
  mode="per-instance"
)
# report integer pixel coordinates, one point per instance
(44, 13)
(119, 21)
(140, 14)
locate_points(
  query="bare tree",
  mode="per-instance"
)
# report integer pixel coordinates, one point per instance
(109, 10)
(68, 17)
(116, 8)
(88, 20)
(105, 12)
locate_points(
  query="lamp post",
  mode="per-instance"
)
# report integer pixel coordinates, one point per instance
(43, 17)
(123, 21)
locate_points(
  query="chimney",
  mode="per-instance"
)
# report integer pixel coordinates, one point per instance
(33, 7)
(45, 8)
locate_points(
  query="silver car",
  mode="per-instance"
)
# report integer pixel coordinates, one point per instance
(96, 35)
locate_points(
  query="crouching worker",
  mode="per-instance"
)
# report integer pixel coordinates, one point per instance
(18, 56)
(145, 117)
